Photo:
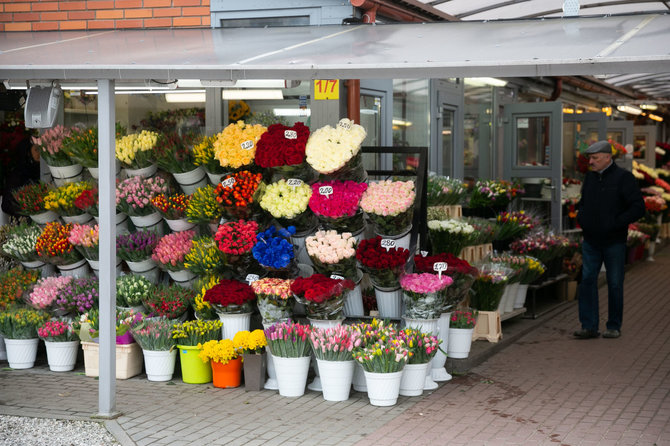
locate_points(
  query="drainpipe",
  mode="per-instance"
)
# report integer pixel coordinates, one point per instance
(354, 100)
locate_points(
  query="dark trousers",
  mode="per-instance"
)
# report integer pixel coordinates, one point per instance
(614, 257)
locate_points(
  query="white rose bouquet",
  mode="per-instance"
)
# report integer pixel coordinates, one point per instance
(336, 151)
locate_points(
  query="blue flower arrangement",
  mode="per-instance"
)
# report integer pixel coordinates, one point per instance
(273, 248)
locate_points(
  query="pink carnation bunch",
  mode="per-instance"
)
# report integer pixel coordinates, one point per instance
(388, 198)
(134, 194)
(46, 291)
(172, 249)
(343, 201)
(425, 283)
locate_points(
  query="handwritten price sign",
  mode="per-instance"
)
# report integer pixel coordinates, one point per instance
(439, 267)
(247, 145)
(251, 278)
(336, 277)
(290, 134)
(326, 89)
(326, 190)
(344, 124)
(388, 243)
(229, 182)
(294, 182)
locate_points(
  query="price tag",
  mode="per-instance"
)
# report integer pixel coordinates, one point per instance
(228, 182)
(326, 190)
(388, 243)
(439, 267)
(290, 134)
(251, 278)
(326, 89)
(294, 182)
(336, 277)
(346, 125)
(424, 253)
(247, 145)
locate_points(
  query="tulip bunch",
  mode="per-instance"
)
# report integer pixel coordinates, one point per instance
(137, 246)
(154, 335)
(134, 194)
(57, 331)
(444, 191)
(171, 207)
(171, 250)
(235, 146)
(30, 198)
(204, 310)
(203, 155)
(511, 225)
(332, 252)
(489, 286)
(387, 355)
(192, 333)
(336, 204)
(62, 199)
(389, 205)
(135, 151)
(82, 146)
(203, 207)
(53, 246)
(131, 290)
(85, 239)
(422, 346)
(205, 258)
(463, 319)
(288, 339)
(168, 301)
(335, 343)
(78, 295)
(21, 323)
(87, 201)
(14, 283)
(50, 143)
(21, 241)
(46, 291)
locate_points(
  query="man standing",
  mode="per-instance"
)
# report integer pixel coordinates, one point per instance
(611, 200)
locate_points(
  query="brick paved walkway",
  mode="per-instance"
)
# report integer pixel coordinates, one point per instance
(545, 388)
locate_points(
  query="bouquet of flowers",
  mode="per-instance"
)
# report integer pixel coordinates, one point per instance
(61, 200)
(53, 246)
(288, 339)
(384, 266)
(230, 296)
(137, 246)
(336, 151)
(171, 250)
(444, 191)
(494, 194)
(125, 322)
(335, 343)
(516, 263)
(533, 270)
(655, 204)
(172, 152)
(136, 150)
(21, 241)
(14, 283)
(333, 253)
(85, 239)
(288, 204)
(337, 204)
(512, 225)
(236, 239)
(422, 346)
(171, 207)
(203, 207)
(78, 295)
(635, 237)
(132, 290)
(154, 335)
(202, 309)
(205, 258)
(30, 198)
(489, 286)
(322, 296)
(50, 143)
(485, 230)
(544, 247)
(21, 323)
(390, 206)
(222, 351)
(424, 294)
(274, 298)
(57, 331)
(239, 194)
(450, 236)
(252, 343)
(134, 194)
(203, 155)
(463, 319)
(461, 272)
(387, 355)
(273, 248)
(235, 146)
(168, 301)
(46, 290)
(282, 148)
(192, 333)
(82, 146)
(87, 201)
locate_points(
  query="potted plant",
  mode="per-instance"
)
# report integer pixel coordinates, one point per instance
(19, 328)
(226, 362)
(422, 349)
(188, 336)
(205, 258)
(333, 348)
(170, 253)
(233, 301)
(274, 298)
(390, 207)
(131, 291)
(133, 197)
(30, 201)
(168, 301)
(155, 339)
(252, 344)
(136, 153)
(136, 249)
(173, 210)
(62, 343)
(290, 347)
(461, 326)
(322, 296)
(337, 205)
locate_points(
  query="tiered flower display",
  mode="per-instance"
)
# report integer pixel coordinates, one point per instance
(134, 195)
(135, 150)
(333, 253)
(235, 146)
(53, 246)
(390, 206)
(424, 294)
(322, 296)
(384, 266)
(239, 193)
(50, 143)
(337, 204)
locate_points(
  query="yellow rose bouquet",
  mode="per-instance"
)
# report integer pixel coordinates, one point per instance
(286, 201)
(235, 146)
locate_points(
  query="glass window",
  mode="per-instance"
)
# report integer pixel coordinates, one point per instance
(447, 135)
(261, 22)
(532, 138)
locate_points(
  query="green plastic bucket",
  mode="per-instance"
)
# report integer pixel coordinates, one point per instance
(193, 369)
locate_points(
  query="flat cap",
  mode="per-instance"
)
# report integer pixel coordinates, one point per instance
(599, 147)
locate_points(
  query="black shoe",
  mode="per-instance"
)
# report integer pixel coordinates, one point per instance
(586, 334)
(611, 334)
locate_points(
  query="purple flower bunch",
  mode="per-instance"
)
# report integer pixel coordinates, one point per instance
(137, 246)
(79, 295)
(134, 195)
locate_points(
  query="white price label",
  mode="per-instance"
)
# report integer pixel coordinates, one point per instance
(336, 277)
(326, 190)
(424, 253)
(251, 278)
(294, 182)
(440, 266)
(247, 145)
(388, 243)
(346, 125)
(290, 134)
(228, 182)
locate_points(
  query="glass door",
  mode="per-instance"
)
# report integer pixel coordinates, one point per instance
(644, 143)
(579, 132)
(376, 119)
(621, 132)
(446, 154)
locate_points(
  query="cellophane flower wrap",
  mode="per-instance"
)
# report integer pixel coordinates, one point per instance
(62, 199)
(422, 346)
(171, 250)
(57, 331)
(136, 246)
(282, 149)
(239, 193)
(168, 301)
(231, 296)
(21, 323)
(235, 146)
(131, 290)
(273, 249)
(450, 235)
(30, 198)
(222, 351)
(488, 288)
(203, 206)
(390, 206)
(384, 266)
(516, 263)
(274, 298)
(250, 342)
(16, 283)
(21, 241)
(205, 258)
(544, 246)
(333, 253)
(462, 273)
(288, 204)
(78, 295)
(463, 319)
(322, 296)
(337, 204)
(512, 225)
(52, 245)
(134, 194)
(85, 239)
(154, 334)
(424, 294)
(46, 290)
(82, 146)
(192, 333)
(236, 239)
(136, 150)
(203, 155)
(288, 339)
(50, 143)
(335, 151)
(335, 343)
(444, 191)
(383, 350)
(87, 201)
(171, 207)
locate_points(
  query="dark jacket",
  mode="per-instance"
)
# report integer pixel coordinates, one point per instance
(610, 202)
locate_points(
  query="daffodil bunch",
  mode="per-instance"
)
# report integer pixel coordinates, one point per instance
(250, 342)
(288, 204)
(135, 151)
(192, 333)
(62, 199)
(222, 351)
(203, 206)
(205, 258)
(203, 309)
(235, 146)
(203, 155)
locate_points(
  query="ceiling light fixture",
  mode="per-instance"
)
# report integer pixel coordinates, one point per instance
(628, 109)
(655, 117)
(239, 95)
(187, 96)
(651, 107)
(485, 81)
(292, 112)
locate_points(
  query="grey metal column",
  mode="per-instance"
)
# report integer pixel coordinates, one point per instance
(107, 247)
(216, 117)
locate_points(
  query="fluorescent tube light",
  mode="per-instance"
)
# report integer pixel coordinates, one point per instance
(401, 123)
(239, 95)
(629, 109)
(292, 112)
(651, 107)
(485, 81)
(189, 96)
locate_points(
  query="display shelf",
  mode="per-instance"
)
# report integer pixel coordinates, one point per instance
(533, 289)
(516, 312)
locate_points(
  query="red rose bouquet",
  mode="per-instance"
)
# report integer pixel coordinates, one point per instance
(383, 265)
(230, 296)
(239, 194)
(235, 239)
(282, 148)
(322, 296)
(462, 273)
